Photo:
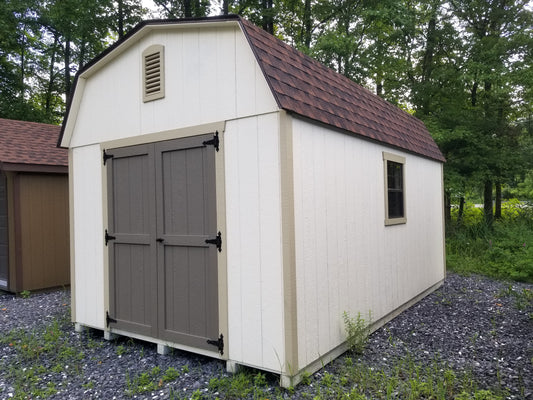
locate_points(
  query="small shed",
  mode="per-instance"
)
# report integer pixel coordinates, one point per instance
(34, 228)
(233, 197)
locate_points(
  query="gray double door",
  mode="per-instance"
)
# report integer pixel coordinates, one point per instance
(161, 210)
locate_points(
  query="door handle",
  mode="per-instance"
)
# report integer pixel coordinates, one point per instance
(160, 240)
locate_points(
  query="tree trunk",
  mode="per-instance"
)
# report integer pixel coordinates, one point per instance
(379, 88)
(120, 19)
(473, 94)
(498, 201)
(225, 7)
(447, 207)
(187, 8)
(307, 24)
(487, 202)
(51, 78)
(268, 20)
(461, 211)
(67, 69)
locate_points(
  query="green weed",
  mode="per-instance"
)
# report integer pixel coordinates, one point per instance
(357, 332)
(241, 385)
(149, 381)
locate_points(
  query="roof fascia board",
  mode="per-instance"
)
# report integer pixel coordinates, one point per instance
(144, 31)
(72, 113)
(54, 169)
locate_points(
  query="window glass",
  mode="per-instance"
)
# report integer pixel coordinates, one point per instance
(395, 189)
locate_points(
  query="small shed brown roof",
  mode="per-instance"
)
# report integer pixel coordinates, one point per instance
(306, 87)
(30, 143)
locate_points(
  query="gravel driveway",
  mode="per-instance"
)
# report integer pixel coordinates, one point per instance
(472, 324)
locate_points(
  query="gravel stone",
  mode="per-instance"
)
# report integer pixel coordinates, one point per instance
(471, 324)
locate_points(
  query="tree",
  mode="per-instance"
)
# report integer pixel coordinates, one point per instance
(494, 33)
(184, 8)
(19, 36)
(128, 14)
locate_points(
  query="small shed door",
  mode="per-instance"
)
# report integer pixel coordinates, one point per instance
(165, 277)
(4, 245)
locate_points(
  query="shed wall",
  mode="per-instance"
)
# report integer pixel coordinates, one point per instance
(211, 75)
(346, 258)
(253, 223)
(44, 231)
(88, 229)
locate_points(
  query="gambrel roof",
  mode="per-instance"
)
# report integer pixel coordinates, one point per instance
(305, 87)
(25, 143)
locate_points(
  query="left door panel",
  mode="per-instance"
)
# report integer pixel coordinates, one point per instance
(132, 244)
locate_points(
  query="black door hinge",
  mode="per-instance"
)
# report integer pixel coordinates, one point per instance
(108, 319)
(108, 237)
(214, 142)
(219, 343)
(216, 241)
(107, 156)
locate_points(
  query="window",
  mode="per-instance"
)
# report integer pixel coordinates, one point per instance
(394, 189)
(153, 59)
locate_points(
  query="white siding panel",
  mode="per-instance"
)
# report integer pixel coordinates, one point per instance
(88, 231)
(211, 75)
(110, 103)
(346, 258)
(255, 303)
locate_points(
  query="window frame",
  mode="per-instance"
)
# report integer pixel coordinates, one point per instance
(389, 157)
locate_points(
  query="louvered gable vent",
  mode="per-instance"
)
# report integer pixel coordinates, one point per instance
(153, 73)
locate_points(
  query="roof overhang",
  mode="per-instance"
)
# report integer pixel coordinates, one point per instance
(19, 167)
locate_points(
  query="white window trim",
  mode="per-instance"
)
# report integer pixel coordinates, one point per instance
(400, 160)
(154, 49)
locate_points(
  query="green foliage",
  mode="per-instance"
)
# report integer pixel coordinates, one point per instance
(149, 381)
(171, 374)
(241, 385)
(404, 379)
(357, 332)
(503, 250)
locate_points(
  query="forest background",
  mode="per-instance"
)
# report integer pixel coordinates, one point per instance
(465, 67)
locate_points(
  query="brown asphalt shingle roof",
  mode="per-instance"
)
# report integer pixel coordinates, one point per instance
(306, 87)
(32, 143)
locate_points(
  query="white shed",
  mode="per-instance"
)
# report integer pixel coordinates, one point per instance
(232, 197)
